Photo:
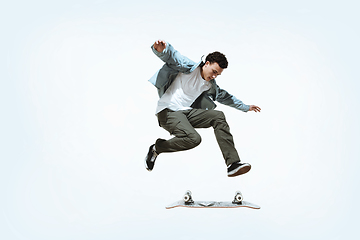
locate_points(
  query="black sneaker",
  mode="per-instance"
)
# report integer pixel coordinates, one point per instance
(150, 158)
(238, 168)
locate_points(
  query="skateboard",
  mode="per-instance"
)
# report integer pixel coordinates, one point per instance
(187, 201)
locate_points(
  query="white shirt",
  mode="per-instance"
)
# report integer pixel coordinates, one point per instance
(185, 89)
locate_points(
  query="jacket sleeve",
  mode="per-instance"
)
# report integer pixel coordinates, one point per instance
(226, 98)
(174, 59)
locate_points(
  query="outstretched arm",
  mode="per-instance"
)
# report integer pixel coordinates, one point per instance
(230, 100)
(172, 57)
(224, 97)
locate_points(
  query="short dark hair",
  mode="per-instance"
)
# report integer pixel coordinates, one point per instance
(219, 58)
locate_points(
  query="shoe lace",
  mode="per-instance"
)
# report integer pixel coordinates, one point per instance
(153, 157)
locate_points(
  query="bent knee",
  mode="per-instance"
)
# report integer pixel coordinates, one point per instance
(219, 118)
(220, 115)
(195, 139)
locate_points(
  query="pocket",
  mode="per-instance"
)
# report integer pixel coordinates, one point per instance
(162, 117)
(180, 130)
(166, 121)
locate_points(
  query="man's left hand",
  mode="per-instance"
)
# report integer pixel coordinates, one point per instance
(254, 108)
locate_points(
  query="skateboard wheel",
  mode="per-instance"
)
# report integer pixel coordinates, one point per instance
(238, 197)
(187, 197)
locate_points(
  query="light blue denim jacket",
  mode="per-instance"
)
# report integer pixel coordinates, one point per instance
(176, 63)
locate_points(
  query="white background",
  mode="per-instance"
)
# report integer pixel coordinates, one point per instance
(77, 118)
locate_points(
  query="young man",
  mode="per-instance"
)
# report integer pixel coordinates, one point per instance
(187, 90)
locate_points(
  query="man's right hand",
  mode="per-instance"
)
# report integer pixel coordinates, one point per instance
(160, 45)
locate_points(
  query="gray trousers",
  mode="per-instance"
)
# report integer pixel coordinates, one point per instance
(182, 125)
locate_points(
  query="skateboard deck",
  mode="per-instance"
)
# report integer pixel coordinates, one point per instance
(188, 202)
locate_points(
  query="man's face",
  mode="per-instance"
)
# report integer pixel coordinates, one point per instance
(211, 71)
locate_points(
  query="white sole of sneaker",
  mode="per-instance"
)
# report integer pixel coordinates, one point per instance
(240, 170)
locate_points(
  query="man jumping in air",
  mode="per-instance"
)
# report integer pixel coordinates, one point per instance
(187, 90)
